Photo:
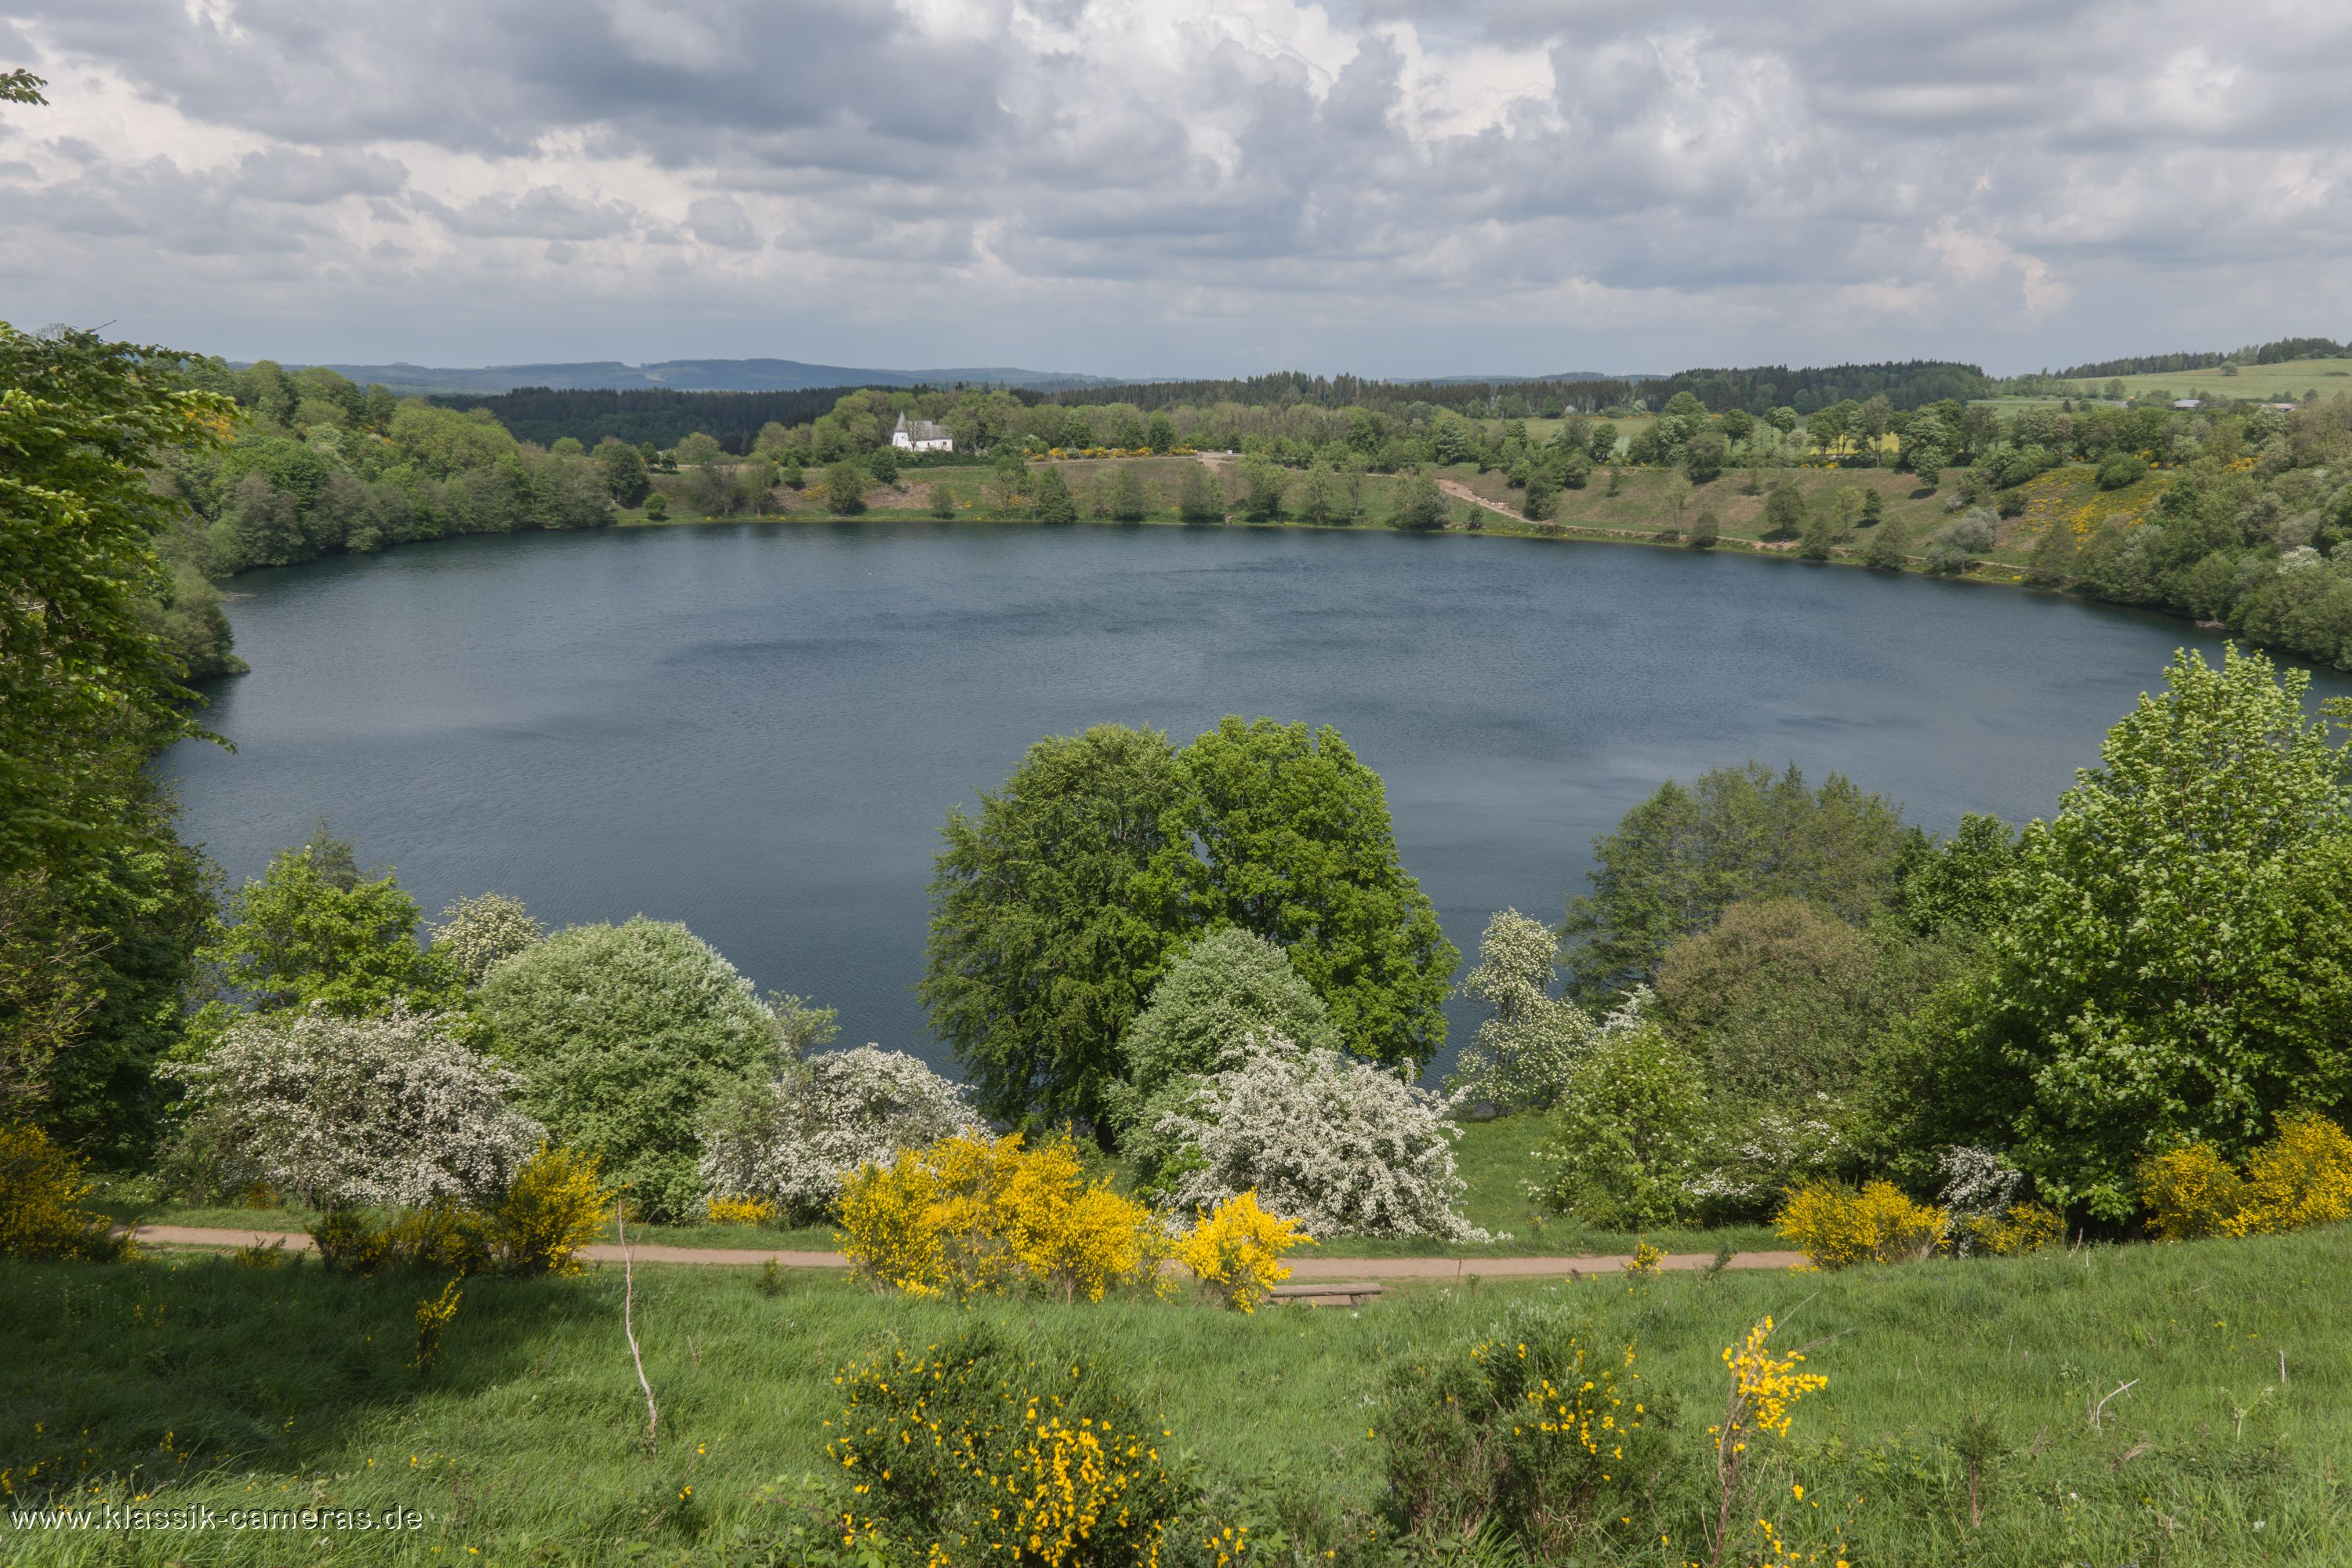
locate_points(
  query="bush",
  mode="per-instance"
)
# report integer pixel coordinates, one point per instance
(1530, 1041)
(1836, 1225)
(970, 1216)
(989, 1454)
(475, 933)
(1625, 1146)
(555, 1207)
(2022, 1229)
(391, 1112)
(41, 1190)
(1235, 1251)
(2120, 468)
(1540, 1431)
(2301, 1177)
(1755, 1158)
(1348, 1148)
(626, 1036)
(790, 1144)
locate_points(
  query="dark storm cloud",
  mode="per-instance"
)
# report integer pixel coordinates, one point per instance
(1664, 181)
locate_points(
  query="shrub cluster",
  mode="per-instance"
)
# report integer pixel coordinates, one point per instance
(41, 1191)
(973, 1216)
(555, 1206)
(2301, 1177)
(790, 1144)
(1837, 1226)
(1541, 1431)
(992, 1455)
(1235, 1251)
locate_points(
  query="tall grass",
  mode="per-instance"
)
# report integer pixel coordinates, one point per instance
(203, 1381)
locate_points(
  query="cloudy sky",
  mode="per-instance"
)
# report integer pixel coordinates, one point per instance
(1181, 186)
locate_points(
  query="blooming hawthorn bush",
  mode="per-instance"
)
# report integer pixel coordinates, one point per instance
(393, 1111)
(1530, 1042)
(791, 1142)
(475, 933)
(1334, 1143)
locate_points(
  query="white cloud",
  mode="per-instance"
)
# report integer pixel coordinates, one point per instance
(1392, 186)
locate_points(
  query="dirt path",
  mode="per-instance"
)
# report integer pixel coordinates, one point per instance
(1300, 1268)
(1461, 491)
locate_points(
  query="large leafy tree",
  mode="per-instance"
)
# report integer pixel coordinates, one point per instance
(1047, 933)
(628, 1037)
(2177, 961)
(84, 666)
(1280, 830)
(1681, 857)
(314, 929)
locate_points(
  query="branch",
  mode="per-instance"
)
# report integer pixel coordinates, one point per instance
(629, 1327)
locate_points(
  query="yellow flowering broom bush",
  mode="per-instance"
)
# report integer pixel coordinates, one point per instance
(995, 1457)
(973, 1216)
(1541, 1431)
(555, 1208)
(1236, 1251)
(1837, 1226)
(1764, 1387)
(41, 1192)
(2301, 1177)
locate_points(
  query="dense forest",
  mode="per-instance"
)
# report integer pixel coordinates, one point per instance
(663, 417)
(1905, 385)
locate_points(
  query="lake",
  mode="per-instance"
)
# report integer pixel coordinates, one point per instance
(757, 729)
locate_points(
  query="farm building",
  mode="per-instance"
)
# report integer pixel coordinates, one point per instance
(921, 435)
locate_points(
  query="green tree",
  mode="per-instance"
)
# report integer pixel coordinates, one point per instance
(1127, 503)
(1627, 1137)
(313, 928)
(1542, 498)
(1046, 934)
(1820, 538)
(86, 668)
(1198, 499)
(1159, 433)
(1680, 858)
(942, 500)
(1873, 506)
(1279, 829)
(844, 488)
(627, 1038)
(2178, 960)
(1262, 488)
(1421, 505)
(1784, 510)
(883, 464)
(622, 470)
(1052, 501)
(1885, 549)
(1706, 532)
(21, 87)
(1319, 501)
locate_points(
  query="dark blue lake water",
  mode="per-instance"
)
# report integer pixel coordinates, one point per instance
(757, 729)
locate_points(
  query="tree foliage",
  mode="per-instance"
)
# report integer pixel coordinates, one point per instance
(2177, 963)
(626, 1036)
(1682, 857)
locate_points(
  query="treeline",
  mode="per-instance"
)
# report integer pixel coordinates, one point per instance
(2279, 352)
(659, 417)
(1908, 385)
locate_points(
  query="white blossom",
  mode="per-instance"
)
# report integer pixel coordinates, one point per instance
(1346, 1147)
(792, 1140)
(392, 1111)
(1978, 1184)
(1530, 1042)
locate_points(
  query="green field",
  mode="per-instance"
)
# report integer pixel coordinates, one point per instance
(198, 1381)
(2283, 382)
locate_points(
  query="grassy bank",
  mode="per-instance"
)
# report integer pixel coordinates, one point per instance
(199, 1381)
(1649, 506)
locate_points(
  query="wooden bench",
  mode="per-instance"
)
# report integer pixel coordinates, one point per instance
(1327, 1293)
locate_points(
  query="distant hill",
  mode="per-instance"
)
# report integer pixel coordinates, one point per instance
(693, 376)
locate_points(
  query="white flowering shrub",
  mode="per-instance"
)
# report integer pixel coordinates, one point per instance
(1754, 1162)
(1979, 1186)
(793, 1142)
(1530, 1042)
(1344, 1146)
(392, 1111)
(475, 933)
